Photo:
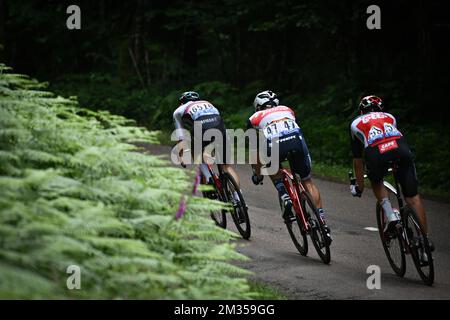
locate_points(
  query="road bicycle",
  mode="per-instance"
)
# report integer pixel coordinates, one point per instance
(306, 220)
(408, 236)
(226, 190)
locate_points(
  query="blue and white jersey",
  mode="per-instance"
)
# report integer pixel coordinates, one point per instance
(194, 110)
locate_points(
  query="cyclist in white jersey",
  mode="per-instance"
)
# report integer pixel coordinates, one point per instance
(277, 121)
(193, 109)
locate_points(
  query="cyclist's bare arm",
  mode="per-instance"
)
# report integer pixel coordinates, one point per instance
(178, 122)
(180, 149)
(257, 171)
(257, 166)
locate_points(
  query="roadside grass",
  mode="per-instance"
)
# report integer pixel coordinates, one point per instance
(163, 137)
(339, 173)
(266, 292)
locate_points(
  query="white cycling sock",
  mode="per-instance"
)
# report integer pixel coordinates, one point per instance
(388, 211)
(205, 171)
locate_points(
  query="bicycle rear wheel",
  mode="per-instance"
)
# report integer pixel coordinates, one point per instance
(419, 246)
(392, 243)
(239, 212)
(318, 232)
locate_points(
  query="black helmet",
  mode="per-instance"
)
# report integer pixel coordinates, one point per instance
(189, 96)
(370, 103)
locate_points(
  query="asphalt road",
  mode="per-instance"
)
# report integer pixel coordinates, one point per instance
(275, 260)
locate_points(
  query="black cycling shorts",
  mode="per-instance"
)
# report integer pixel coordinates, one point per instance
(294, 143)
(377, 163)
(220, 146)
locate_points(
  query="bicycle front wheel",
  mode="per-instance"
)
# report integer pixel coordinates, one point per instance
(318, 232)
(218, 216)
(392, 244)
(298, 236)
(420, 250)
(239, 212)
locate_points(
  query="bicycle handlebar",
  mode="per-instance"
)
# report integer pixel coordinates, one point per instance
(353, 179)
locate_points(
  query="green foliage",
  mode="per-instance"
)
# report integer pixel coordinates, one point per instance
(324, 118)
(149, 107)
(73, 190)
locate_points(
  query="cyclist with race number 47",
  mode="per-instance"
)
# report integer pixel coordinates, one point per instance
(279, 122)
(375, 134)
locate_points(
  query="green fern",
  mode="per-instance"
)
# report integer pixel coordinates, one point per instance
(76, 189)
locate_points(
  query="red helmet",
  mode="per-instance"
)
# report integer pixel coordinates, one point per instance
(370, 103)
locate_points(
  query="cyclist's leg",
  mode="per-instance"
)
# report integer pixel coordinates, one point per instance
(417, 203)
(377, 167)
(283, 195)
(313, 191)
(230, 170)
(302, 166)
(224, 152)
(304, 170)
(278, 180)
(408, 180)
(379, 190)
(204, 170)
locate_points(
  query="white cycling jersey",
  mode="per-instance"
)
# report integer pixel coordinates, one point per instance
(275, 122)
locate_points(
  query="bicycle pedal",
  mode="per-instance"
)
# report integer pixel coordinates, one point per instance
(424, 264)
(289, 219)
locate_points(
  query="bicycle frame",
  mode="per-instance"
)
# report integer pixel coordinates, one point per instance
(294, 192)
(396, 190)
(216, 178)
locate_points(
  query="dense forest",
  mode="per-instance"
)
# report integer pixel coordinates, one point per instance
(133, 58)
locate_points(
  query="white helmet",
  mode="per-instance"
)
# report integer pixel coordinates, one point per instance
(265, 99)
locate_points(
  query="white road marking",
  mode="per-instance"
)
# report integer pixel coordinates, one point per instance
(371, 229)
